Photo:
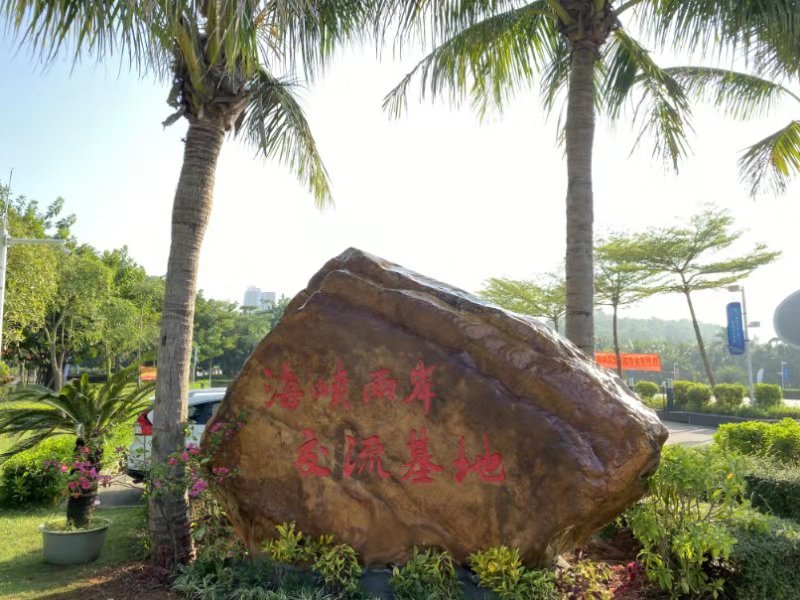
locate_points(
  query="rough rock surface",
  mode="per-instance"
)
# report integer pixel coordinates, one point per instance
(393, 410)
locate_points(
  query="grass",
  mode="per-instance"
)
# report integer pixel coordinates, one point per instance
(23, 573)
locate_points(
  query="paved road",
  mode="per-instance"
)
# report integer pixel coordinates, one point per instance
(124, 493)
(688, 435)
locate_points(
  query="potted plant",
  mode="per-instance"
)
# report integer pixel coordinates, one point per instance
(90, 413)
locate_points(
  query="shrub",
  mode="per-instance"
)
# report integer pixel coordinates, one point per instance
(500, 570)
(429, 574)
(729, 395)
(339, 569)
(586, 579)
(27, 481)
(768, 395)
(748, 438)
(783, 441)
(773, 490)
(680, 393)
(683, 525)
(5, 373)
(765, 562)
(646, 389)
(698, 395)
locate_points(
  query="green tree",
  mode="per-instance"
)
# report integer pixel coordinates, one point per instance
(31, 271)
(219, 55)
(488, 50)
(544, 297)
(88, 412)
(684, 257)
(214, 328)
(618, 284)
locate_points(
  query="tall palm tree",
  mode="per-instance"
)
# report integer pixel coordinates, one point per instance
(488, 50)
(220, 56)
(88, 412)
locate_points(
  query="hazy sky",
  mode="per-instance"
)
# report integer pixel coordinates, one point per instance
(435, 191)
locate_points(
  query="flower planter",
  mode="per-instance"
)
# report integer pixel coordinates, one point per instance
(74, 547)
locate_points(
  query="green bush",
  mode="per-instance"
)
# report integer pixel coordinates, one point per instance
(681, 393)
(774, 490)
(646, 389)
(765, 563)
(698, 395)
(501, 570)
(768, 395)
(783, 441)
(24, 479)
(339, 569)
(748, 438)
(429, 574)
(5, 373)
(729, 395)
(683, 525)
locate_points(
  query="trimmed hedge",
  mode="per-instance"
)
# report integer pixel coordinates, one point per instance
(768, 395)
(646, 389)
(729, 395)
(779, 441)
(774, 491)
(24, 481)
(765, 563)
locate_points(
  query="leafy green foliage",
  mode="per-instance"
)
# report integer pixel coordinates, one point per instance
(749, 438)
(545, 297)
(768, 395)
(25, 481)
(586, 579)
(773, 488)
(338, 567)
(646, 389)
(691, 395)
(429, 574)
(766, 562)
(501, 570)
(292, 547)
(683, 525)
(729, 395)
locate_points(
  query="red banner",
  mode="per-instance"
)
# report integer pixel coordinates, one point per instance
(630, 362)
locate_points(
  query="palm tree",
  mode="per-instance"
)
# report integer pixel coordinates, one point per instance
(220, 56)
(88, 412)
(770, 163)
(488, 50)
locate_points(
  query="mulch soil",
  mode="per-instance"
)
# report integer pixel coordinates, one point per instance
(132, 581)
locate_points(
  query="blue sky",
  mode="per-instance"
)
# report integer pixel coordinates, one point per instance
(436, 190)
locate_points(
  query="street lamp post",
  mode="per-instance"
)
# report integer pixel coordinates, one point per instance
(747, 353)
(6, 241)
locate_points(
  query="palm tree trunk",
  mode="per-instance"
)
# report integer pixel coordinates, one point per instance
(579, 135)
(169, 522)
(700, 344)
(616, 339)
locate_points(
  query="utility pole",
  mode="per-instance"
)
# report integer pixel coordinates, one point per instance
(6, 241)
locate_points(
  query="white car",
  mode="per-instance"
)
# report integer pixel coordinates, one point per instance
(203, 404)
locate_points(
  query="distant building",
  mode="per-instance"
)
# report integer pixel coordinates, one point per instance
(255, 298)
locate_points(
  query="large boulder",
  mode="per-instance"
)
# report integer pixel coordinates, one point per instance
(393, 410)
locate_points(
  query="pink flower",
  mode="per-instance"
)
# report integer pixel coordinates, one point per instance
(184, 457)
(194, 450)
(64, 468)
(85, 484)
(220, 470)
(173, 461)
(198, 487)
(85, 450)
(157, 484)
(216, 427)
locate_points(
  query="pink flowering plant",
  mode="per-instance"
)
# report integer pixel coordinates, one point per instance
(193, 471)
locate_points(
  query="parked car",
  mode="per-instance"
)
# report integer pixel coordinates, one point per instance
(203, 404)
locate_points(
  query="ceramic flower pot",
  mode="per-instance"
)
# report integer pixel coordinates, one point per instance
(74, 547)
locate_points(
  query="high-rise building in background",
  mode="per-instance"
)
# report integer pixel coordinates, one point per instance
(255, 298)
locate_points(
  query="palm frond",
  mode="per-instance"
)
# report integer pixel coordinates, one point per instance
(489, 61)
(660, 104)
(740, 94)
(26, 443)
(275, 124)
(772, 162)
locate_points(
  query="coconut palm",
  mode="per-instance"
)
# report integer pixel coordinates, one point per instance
(489, 50)
(89, 412)
(770, 163)
(220, 56)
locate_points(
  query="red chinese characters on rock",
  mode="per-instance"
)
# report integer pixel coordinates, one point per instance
(421, 381)
(336, 389)
(286, 390)
(488, 466)
(420, 467)
(370, 459)
(307, 461)
(380, 386)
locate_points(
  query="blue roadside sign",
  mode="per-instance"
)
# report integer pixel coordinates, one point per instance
(735, 329)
